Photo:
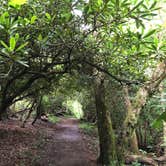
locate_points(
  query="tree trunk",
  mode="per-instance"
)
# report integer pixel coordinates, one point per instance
(38, 110)
(130, 137)
(164, 137)
(105, 130)
(3, 108)
(163, 102)
(134, 107)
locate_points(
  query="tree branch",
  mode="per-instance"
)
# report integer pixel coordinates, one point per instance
(121, 81)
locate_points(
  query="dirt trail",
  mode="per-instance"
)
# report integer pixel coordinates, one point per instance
(45, 144)
(65, 146)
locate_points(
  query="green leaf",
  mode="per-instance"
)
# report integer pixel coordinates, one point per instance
(158, 123)
(17, 2)
(21, 46)
(67, 16)
(22, 63)
(144, 6)
(135, 7)
(48, 16)
(12, 43)
(5, 45)
(149, 33)
(117, 4)
(40, 37)
(99, 2)
(17, 36)
(4, 51)
(139, 23)
(153, 5)
(33, 19)
(154, 47)
(158, 8)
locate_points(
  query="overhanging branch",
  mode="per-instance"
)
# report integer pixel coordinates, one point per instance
(121, 81)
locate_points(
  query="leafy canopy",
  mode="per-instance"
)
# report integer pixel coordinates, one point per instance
(40, 41)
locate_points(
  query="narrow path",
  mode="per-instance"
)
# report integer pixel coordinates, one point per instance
(65, 146)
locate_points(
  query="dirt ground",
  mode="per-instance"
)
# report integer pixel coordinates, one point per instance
(44, 144)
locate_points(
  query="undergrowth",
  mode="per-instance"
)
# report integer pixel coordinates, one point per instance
(88, 128)
(53, 118)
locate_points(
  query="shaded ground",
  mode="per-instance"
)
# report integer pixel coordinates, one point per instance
(45, 144)
(67, 148)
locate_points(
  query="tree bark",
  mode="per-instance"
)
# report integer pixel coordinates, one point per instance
(5, 103)
(3, 112)
(162, 88)
(108, 154)
(38, 110)
(134, 107)
(130, 137)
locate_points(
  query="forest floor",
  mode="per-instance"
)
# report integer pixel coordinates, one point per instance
(44, 144)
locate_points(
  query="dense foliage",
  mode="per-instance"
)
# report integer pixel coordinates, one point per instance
(52, 53)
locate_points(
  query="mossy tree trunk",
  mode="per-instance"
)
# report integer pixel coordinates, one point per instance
(134, 107)
(106, 134)
(129, 137)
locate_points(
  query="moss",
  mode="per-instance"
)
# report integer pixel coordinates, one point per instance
(108, 154)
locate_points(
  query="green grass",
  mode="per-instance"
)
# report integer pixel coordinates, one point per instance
(53, 119)
(68, 116)
(88, 128)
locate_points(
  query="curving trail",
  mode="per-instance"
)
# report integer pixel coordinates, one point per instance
(65, 147)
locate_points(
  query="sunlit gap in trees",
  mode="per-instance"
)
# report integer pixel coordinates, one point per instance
(75, 107)
(79, 13)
